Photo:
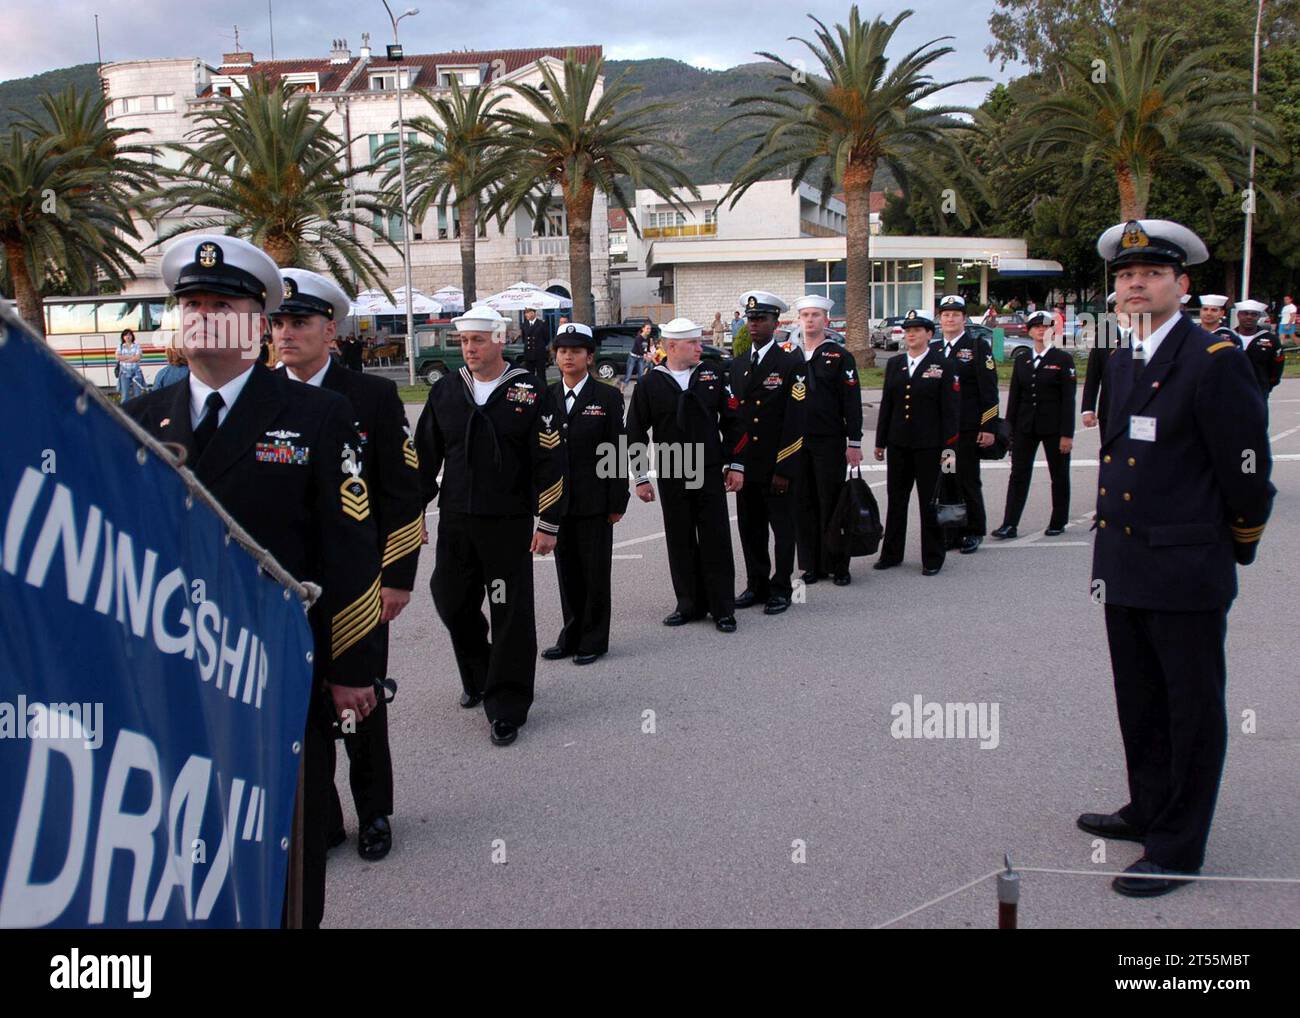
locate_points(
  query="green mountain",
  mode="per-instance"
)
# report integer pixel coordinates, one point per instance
(19, 96)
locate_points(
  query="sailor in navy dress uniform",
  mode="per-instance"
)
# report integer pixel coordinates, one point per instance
(495, 431)
(832, 438)
(973, 361)
(1109, 335)
(283, 459)
(591, 422)
(684, 403)
(307, 319)
(769, 391)
(536, 337)
(1261, 346)
(1040, 410)
(1211, 311)
(1176, 514)
(919, 421)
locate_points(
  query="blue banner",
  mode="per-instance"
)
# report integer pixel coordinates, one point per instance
(153, 681)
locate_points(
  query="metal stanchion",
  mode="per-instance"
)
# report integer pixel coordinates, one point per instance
(1008, 895)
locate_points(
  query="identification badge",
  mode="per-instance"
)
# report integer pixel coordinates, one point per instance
(1142, 429)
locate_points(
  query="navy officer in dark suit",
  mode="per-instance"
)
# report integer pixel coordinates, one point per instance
(302, 327)
(285, 461)
(536, 338)
(1040, 410)
(1183, 495)
(590, 415)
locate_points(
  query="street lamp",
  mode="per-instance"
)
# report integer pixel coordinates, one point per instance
(1250, 204)
(395, 53)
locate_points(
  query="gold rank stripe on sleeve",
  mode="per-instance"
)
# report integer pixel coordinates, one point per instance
(355, 621)
(1225, 345)
(548, 439)
(790, 449)
(989, 414)
(355, 498)
(550, 496)
(410, 455)
(1247, 535)
(403, 541)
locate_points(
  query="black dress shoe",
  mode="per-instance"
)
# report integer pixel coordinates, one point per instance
(809, 577)
(375, 840)
(678, 619)
(503, 733)
(882, 564)
(1005, 532)
(1161, 880)
(746, 599)
(1053, 531)
(931, 570)
(584, 659)
(554, 653)
(970, 545)
(842, 579)
(1109, 825)
(776, 604)
(336, 839)
(726, 624)
(468, 700)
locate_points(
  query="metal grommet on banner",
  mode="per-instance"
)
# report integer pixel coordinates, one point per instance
(296, 747)
(227, 537)
(286, 593)
(81, 403)
(142, 456)
(309, 658)
(284, 844)
(189, 501)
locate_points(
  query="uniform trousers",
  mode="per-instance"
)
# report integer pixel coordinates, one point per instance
(697, 531)
(972, 488)
(906, 469)
(490, 556)
(370, 763)
(759, 509)
(1024, 447)
(584, 552)
(820, 482)
(1170, 672)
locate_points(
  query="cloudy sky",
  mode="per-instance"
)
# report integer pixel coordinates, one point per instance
(38, 35)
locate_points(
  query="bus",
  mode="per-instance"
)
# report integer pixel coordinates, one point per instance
(86, 331)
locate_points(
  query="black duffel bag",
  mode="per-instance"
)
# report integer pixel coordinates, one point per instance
(854, 529)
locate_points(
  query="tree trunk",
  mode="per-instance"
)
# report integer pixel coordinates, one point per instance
(26, 296)
(280, 249)
(579, 213)
(467, 211)
(1131, 206)
(857, 286)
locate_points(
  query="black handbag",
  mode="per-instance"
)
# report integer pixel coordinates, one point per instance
(854, 528)
(948, 503)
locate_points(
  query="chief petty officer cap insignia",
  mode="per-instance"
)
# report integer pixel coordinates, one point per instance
(952, 302)
(1038, 318)
(227, 266)
(914, 318)
(760, 302)
(574, 334)
(814, 300)
(1151, 242)
(310, 293)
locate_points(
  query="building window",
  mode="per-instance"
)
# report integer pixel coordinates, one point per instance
(391, 228)
(826, 279)
(466, 76)
(386, 81)
(379, 140)
(304, 82)
(163, 103)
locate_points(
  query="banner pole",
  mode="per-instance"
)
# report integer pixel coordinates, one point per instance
(293, 894)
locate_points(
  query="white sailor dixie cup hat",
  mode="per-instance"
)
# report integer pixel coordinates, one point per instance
(215, 263)
(814, 300)
(760, 302)
(680, 328)
(480, 318)
(1151, 242)
(574, 334)
(952, 302)
(310, 293)
(1250, 305)
(1213, 300)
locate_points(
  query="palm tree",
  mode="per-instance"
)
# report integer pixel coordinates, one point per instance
(861, 113)
(269, 170)
(67, 190)
(455, 164)
(583, 143)
(1137, 114)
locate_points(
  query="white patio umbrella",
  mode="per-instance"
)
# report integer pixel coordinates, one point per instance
(421, 304)
(372, 302)
(522, 296)
(452, 298)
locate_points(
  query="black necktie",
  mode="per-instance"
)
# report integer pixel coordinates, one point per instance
(755, 361)
(1037, 358)
(208, 425)
(947, 350)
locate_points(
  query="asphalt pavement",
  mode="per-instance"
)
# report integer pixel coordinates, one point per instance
(692, 778)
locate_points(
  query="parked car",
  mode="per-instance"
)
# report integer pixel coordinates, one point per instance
(614, 345)
(888, 334)
(1012, 346)
(437, 352)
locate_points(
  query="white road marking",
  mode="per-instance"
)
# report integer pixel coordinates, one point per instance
(1283, 434)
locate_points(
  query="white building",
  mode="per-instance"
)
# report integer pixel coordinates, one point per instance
(699, 260)
(358, 95)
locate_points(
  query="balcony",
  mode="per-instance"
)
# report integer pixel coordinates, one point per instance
(689, 230)
(541, 246)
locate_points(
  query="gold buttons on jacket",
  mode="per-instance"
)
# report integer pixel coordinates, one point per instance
(1132, 462)
(1101, 491)
(1106, 458)
(1128, 497)
(1102, 524)
(1128, 530)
